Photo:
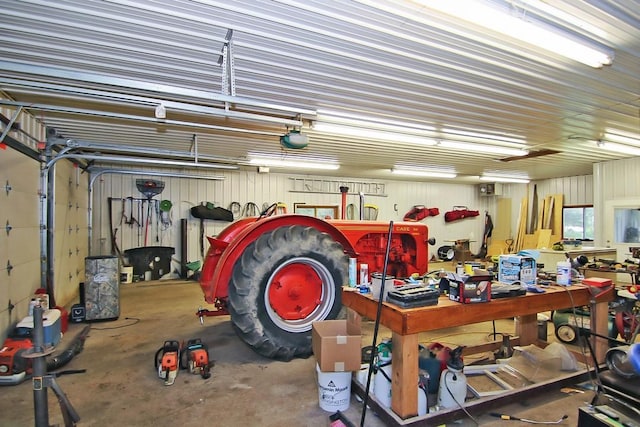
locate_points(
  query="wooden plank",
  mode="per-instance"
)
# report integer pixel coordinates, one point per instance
(496, 247)
(502, 224)
(544, 238)
(530, 241)
(403, 401)
(557, 216)
(522, 225)
(549, 214)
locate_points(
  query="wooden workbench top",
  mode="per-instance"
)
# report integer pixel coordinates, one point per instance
(449, 313)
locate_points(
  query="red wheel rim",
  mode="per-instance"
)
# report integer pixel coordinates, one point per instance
(298, 293)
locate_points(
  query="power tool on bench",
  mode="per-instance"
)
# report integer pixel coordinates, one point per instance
(195, 358)
(167, 361)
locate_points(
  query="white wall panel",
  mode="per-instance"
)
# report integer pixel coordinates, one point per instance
(577, 190)
(247, 186)
(617, 184)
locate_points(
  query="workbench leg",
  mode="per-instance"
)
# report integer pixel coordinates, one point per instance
(527, 329)
(404, 367)
(600, 325)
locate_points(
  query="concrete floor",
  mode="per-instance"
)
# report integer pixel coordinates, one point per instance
(121, 387)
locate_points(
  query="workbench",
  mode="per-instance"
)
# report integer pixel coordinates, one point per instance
(406, 323)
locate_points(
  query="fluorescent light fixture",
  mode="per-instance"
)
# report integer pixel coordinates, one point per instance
(512, 139)
(369, 132)
(428, 173)
(499, 17)
(483, 148)
(546, 8)
(291, 162)
(623, 137)
(503, 178)
(359, 120)
(618, 148)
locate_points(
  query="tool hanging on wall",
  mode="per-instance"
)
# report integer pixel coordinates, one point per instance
(351, 211)
(281, 208)
(488, 229)
(236, 209)
(166, 218)
(212, 212)
(370, 212)
(250, 209)
(458, 213)
(420, 212)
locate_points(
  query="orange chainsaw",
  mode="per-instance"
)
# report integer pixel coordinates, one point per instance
(167, 361)
(195, 358)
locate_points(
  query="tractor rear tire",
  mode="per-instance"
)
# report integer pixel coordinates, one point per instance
(257, 276)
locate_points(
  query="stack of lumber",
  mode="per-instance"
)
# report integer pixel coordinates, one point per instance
(546, 223)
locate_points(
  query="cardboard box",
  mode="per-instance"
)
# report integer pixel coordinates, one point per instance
(337, 345)
(471, 289)
(517, 268)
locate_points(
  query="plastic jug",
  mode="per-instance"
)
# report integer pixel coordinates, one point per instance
(563, 273)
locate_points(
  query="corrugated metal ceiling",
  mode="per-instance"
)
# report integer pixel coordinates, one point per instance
(387, 61)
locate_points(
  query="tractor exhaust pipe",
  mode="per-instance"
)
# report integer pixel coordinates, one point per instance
(344, 191)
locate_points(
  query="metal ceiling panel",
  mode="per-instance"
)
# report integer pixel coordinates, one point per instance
(389, 61)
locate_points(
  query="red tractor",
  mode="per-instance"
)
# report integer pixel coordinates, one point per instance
(277, 274)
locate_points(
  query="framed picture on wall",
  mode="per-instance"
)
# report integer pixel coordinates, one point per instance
(318, 211)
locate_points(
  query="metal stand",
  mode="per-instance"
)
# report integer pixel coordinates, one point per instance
(41, 380)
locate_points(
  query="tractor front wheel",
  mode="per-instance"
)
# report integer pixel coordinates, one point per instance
(283, 282)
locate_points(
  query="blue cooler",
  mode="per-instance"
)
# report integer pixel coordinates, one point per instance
(51, 322)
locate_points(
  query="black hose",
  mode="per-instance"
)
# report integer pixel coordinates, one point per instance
(74, 348)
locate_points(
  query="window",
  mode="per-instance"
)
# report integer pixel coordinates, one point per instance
(626, 225)
(577, 223)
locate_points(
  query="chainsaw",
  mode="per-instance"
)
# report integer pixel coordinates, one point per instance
(195, 358)
(167, 361)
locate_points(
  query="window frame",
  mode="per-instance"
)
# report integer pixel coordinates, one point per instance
(584, 228)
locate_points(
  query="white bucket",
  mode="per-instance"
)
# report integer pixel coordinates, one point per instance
(334, 390)
(126, 274)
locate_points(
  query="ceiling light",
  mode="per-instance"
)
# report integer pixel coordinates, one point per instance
(294, 140)
(428, 173)
(498, 16)
(512, 139)
(292, 162)
(359, 120)
(503, 178)
(483, 148)
(618, 148)
(368, 132)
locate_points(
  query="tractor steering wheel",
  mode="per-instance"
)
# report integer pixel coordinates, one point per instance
(271, 210)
